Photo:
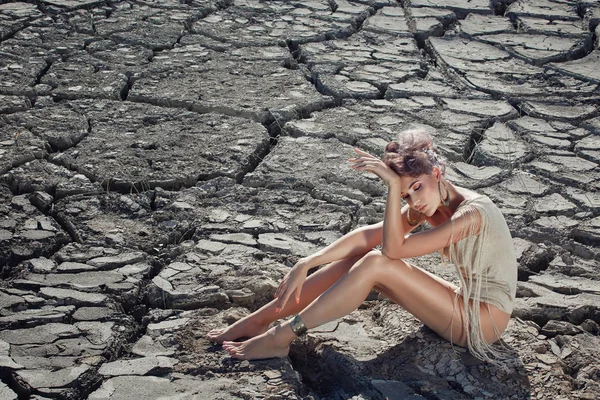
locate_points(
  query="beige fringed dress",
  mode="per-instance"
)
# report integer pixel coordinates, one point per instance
(487, 266)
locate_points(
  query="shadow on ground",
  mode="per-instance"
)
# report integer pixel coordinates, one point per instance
(421, 366)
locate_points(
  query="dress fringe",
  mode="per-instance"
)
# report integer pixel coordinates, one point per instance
(467, 255)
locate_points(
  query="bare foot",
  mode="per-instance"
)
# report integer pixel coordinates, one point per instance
(245, 327)
(273, 343)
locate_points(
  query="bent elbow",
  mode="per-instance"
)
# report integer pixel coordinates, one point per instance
(393, 250)
(392, 255)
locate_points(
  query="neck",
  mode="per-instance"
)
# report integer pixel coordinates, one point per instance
(455, 199)
(443, 213)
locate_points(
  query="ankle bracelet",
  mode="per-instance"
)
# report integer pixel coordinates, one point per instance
(297, 325)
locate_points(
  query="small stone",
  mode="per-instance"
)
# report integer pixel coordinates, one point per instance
(41, 200)
(218, 216)
(147, 346)
(242, 297)
(180, 266)
(41, 265)
(165, 327)
(553, 203)
(117, 261)
(74, 267)
(92, 313)
(255, 224)
(236, 238)
(553, 328)
(52, 379)
(590, 326)
(281, 243)
(68, 296)
(180, 206)
(210, 246)
(5, 235)
(546, 358)
(96, 332)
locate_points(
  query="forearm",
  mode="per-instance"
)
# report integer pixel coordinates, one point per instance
(393, 231)
(356, 242)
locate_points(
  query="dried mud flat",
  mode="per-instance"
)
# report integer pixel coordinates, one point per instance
(164, 163)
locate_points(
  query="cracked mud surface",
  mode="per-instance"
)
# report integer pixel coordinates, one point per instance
(164, 163)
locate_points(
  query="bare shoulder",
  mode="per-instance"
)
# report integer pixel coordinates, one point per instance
(467, 194)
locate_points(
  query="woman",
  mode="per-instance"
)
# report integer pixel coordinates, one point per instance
(466, 228)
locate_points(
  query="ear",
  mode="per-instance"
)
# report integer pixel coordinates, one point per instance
(437, 173)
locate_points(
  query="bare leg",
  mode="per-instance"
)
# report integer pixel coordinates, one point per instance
(258, 322)
(428, 298)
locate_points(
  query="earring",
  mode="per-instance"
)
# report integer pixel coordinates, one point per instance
(413, 222)
(445, 201)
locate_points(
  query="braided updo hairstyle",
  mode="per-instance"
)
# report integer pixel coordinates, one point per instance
(413, 154)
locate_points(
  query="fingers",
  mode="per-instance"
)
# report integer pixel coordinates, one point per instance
(280, 296)
(367, 165)
(291, 284)
(361, 162)
(363, 153)
(282, 301)
(365, 161)
(282, 286)
(280, 289)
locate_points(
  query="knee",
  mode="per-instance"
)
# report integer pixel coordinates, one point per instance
(372, 257)
(376, 260)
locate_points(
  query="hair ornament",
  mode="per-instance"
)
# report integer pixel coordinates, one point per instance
(429, 152)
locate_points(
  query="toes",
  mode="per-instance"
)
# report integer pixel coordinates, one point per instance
(234, 349)
(231, 345)
(226, 346)
(230, 351)
(214, 334)
(236, 352)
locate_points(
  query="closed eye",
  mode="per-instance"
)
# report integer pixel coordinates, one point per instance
(416, 186)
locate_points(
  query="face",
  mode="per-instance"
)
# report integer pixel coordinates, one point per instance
(421, 193)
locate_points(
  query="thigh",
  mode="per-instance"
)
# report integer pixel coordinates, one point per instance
(434, 302)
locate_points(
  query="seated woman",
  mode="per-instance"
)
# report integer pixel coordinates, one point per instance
(467, 228)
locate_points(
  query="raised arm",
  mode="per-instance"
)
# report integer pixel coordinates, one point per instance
(395, 224)
(397, 243)
(393, 221)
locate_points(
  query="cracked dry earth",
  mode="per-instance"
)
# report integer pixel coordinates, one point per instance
(164, 163)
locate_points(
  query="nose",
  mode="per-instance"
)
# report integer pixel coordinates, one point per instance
(416, 203)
